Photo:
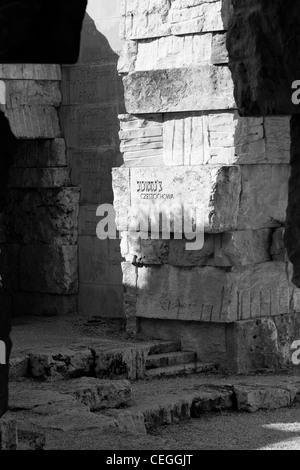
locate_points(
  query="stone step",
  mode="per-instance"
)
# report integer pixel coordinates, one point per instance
(170, 359)
(164, 347)
(171, 408)
(181, 369)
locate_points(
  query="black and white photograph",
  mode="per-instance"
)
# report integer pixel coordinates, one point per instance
(149, 223)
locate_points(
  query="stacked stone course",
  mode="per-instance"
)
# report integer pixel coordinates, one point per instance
(182, 128)
(39, 225)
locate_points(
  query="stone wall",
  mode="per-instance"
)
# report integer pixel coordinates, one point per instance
(92, 95)
(182, 131)
(38, 207)
(40, 216)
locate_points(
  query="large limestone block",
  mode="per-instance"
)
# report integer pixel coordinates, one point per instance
(212, 192)
(180, 256)
(238, 248)
(141, 140)
(49, 269)
(264, 196)
(32, 92)
(90, 85)
(174, 52)
(48, 216)
(98, 394)
(90, 125)
(33, 122)
(30, 72)
(175, 90)
(224, 139)
(242, 248)
(141, 251)
(262, 343)
(214, 294)
(191, 16)
(278, 139)
(158, 18)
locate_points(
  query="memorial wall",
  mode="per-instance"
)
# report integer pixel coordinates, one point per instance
(92, 99)
(233, 301)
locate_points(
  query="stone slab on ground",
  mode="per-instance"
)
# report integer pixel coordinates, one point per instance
(97, 394)
(260, 397)
(75, 421)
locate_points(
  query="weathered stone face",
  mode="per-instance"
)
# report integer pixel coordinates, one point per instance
(215, 295)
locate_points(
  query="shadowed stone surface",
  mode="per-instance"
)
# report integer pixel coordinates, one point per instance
(263, 46)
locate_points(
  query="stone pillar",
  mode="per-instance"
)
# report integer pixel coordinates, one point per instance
(183, 138)
(40, 214)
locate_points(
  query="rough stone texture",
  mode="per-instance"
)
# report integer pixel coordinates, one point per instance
(31, 93)
(30, 72)
(142, 251)
(47, 216)
(67, 363)
(242, 248)
(180, 256)
(176, 57)
(261, 398)
(162, 18)
(28, 440)
(212, 191)
(56, 267)
(278, 250)
(99, 394)
(174, 52)
(175, 90)
(34, 122)
(214, 294)
(141, 140)
(126, 362)
(224, 138)
(221, 193)
(263, 205)
(262, 344)
(8, 435)
(31, 37)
